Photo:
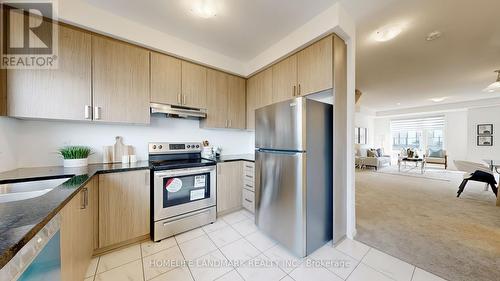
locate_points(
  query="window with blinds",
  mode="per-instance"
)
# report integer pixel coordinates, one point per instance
(418, 133)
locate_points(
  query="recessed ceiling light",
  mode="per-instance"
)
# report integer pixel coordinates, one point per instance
(398, 103)
(204, 8)
(438, 99)
(434, 35)
(387, 33)
(495, 86)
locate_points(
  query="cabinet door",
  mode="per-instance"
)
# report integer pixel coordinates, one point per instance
(236, 113)
(165, 79)
(62, 93)
(285, 79)
(120, 81)
(229, 186)
(3, 92)
(123, 207)
(217, 97)
(259, 94)
(194, 85)
(76, 235)
(315, 67)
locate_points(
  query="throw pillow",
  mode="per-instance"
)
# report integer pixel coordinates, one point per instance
(380, 152)
(371, 153)
(436, 153)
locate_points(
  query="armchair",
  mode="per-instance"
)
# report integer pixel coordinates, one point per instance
(439, 157)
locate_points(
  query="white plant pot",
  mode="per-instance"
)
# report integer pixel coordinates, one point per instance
(71, 163)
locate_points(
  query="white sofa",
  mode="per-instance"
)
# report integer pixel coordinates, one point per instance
(363, 160)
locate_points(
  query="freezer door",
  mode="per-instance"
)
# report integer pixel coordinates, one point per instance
(280, 198)
(281, 125)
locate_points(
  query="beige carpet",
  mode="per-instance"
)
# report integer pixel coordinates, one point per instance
(421, 221)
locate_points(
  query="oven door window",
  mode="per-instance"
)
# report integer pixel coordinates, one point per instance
(185, 189)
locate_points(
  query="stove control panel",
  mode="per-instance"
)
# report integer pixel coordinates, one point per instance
(173, 148)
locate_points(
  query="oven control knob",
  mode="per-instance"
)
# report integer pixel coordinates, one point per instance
(154, 146)
(197, 146)
(160, 146)
(188, 146)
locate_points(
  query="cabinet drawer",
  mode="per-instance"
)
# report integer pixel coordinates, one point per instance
(248, 165)
(248, 200)
(248, 174)
(249, 184)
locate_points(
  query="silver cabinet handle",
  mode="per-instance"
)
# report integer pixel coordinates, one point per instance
(294, 88)
(183, 99)
(88, 112)
(298, 92)
(85, 198)
(97, 113)
(179, 98)
(226, 124)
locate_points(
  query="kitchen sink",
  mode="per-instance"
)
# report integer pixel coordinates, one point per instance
(27, 190)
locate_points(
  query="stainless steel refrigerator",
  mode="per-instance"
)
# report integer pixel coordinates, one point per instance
(293, 173)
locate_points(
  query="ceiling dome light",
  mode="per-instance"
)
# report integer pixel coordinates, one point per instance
(204, 8)
(387, 33)
(433, 35)
(438, 99)
(495, 86)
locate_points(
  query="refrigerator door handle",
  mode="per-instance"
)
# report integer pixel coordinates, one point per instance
(271, 151)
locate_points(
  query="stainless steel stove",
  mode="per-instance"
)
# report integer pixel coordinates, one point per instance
(183, 189)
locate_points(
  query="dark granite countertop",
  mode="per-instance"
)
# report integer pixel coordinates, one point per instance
(21, 220)
(235, 157)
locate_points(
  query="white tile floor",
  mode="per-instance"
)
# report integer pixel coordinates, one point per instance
(234, 249)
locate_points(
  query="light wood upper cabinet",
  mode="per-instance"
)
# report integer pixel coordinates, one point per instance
(165, 79)
(120, 81)
(77, 234)
(236, 102)
(217, 100)
(285, 79)
(194, 85)
(3, 92)
(226, 101)
(315, 67)
(123, 207)
(229, 186)
(259, 94)
(62, 93)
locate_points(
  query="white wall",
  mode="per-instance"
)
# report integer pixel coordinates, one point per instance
(363, 120)
(455, 136)
(35, 142)
(8, 143)
(486, 115)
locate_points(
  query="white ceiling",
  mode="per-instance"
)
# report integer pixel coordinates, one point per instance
(409, 70)
(242, 29)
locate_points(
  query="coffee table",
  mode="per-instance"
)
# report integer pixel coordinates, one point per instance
(405, 160)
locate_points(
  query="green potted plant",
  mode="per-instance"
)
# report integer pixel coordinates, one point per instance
(75, 156)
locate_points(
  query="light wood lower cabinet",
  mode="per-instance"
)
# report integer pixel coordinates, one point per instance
(120, 81)
(77, 234)
(229, 182)
(123, 207)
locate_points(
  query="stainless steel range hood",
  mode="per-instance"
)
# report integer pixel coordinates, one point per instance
(178, 111)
